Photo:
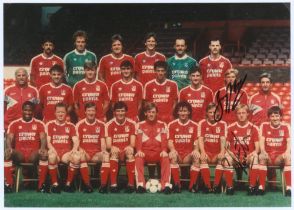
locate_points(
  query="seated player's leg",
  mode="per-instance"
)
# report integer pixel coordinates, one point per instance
(84, 171)
(104, 170)
(193, 158)
(73, 160)
(130, 166)
(165, 174)
(10, 156)
(53, 161)
(139, 173)
(205, 173)
(216, 159)
(252, 162)
(228, 169)
(263, 162)
(114, 158)
(287, 172)
(175, 170)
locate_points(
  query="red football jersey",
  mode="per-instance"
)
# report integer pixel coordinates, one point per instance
(163, 95)
(213, 71)
(242, 138)
(96, 92)
(26, 134)
(109, 66)
(130, 93)
(212, 134)
(199, 99)
(14, 97)
(260, 104)
(40, 66)
(275, 138)
(183, 136)
(232, 100)
(90, 134)
(120, 133)
(151, 137)
(145, 66)
(50, 96)
(61, 135)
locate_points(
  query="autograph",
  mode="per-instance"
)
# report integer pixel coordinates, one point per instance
(231, 88)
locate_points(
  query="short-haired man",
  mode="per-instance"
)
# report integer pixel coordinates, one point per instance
(275, 148)
(228, 97)
(91, 134)
(120, 140)
(26, 142)
(212, 140)
(197, 94)
(63, 145)
(128, 90)
(90, 90)
(55, 92)
(75, 59)
(163, 92)
(109, 70)
(214, 66)
(180, 64)
(144, 67)
(151, 147)
(15, 95)
(263, 100)
(183, 145)
(243, 140)
(41, 64)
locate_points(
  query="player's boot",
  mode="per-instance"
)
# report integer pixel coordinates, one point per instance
(177, 189)
(252, 191)
(43, 189)
(230, 191)
(141, 189)
(114, 189)
(193, 189)
(103, 189)
(216, 189)
(88, 189)
(288, 193)
(7, 188)
(260, 190)
(130, 189)
(167, 190)
(69, 189)
(207, 190)
(55, 189)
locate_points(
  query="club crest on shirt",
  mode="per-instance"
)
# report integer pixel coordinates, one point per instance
(191, 129)
(177, 130)
(54, 62)
(34, 127)
(84, 129)
(97, 130)
(189, 94)
(167, 89)
(63, 92)
(40, 63)
(269, 133)
(154, 89)
(29, 95)
(202, 95)
(133, 88)
(111, 62)
(272, 101)
(221, 65)
(143, 60)
(119, 89)
(218, 129)
(186, 65)
(20, 127)
(127, 129)
(49, 92)
(66, 129)
(97, 88)
(83, 88)
(207, 129)
(281, 132)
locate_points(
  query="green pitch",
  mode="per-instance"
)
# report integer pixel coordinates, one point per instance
(30, 198)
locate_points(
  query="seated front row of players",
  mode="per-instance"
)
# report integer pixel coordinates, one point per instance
(151, 145)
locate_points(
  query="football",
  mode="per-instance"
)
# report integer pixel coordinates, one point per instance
(153, 186)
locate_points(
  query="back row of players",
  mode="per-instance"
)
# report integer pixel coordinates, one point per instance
(181, 69)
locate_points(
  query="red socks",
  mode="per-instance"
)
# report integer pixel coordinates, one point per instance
(229, 174)
(43, 170)
(175, 172)
(85, 173)
(8, 172)
(287, 174)
(113, 172)
(253, 174)
(71, 172)
(262, 175)
(218, 174)
(53, 173)
(104, 173)
(205, 173)
(194, 171)
(130, 165)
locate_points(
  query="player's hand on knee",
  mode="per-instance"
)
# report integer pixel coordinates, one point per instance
(140, 154)
(129, 150)
(114, 150)
(203, 156)
(173, 154)
(8, 153)
(286, 156)
(43, 153)
(163, 154)
(195, 154)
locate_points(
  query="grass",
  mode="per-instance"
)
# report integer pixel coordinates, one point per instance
(29, 198)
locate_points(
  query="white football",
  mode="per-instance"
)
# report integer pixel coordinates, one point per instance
(153, 186)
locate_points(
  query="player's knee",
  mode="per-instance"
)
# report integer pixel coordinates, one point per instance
(262, 159)
(129, 151)
(130, 157)
(7, 155)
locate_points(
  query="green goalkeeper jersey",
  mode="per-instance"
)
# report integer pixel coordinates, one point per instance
(179, 68)
(74, 65)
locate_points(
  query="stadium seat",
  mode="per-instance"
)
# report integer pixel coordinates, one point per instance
(249, 56)
(256, 62)
(263, 51)
(271, 56)
(279, 62)
(253, 50)
(235, 60)
(288, 61)
(260, 56)
(282, 56)
(239, 54)
(268, 62)
(246, 62)
(275, 51)
(285, 50)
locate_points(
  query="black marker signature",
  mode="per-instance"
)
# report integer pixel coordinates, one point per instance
(236, 88)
